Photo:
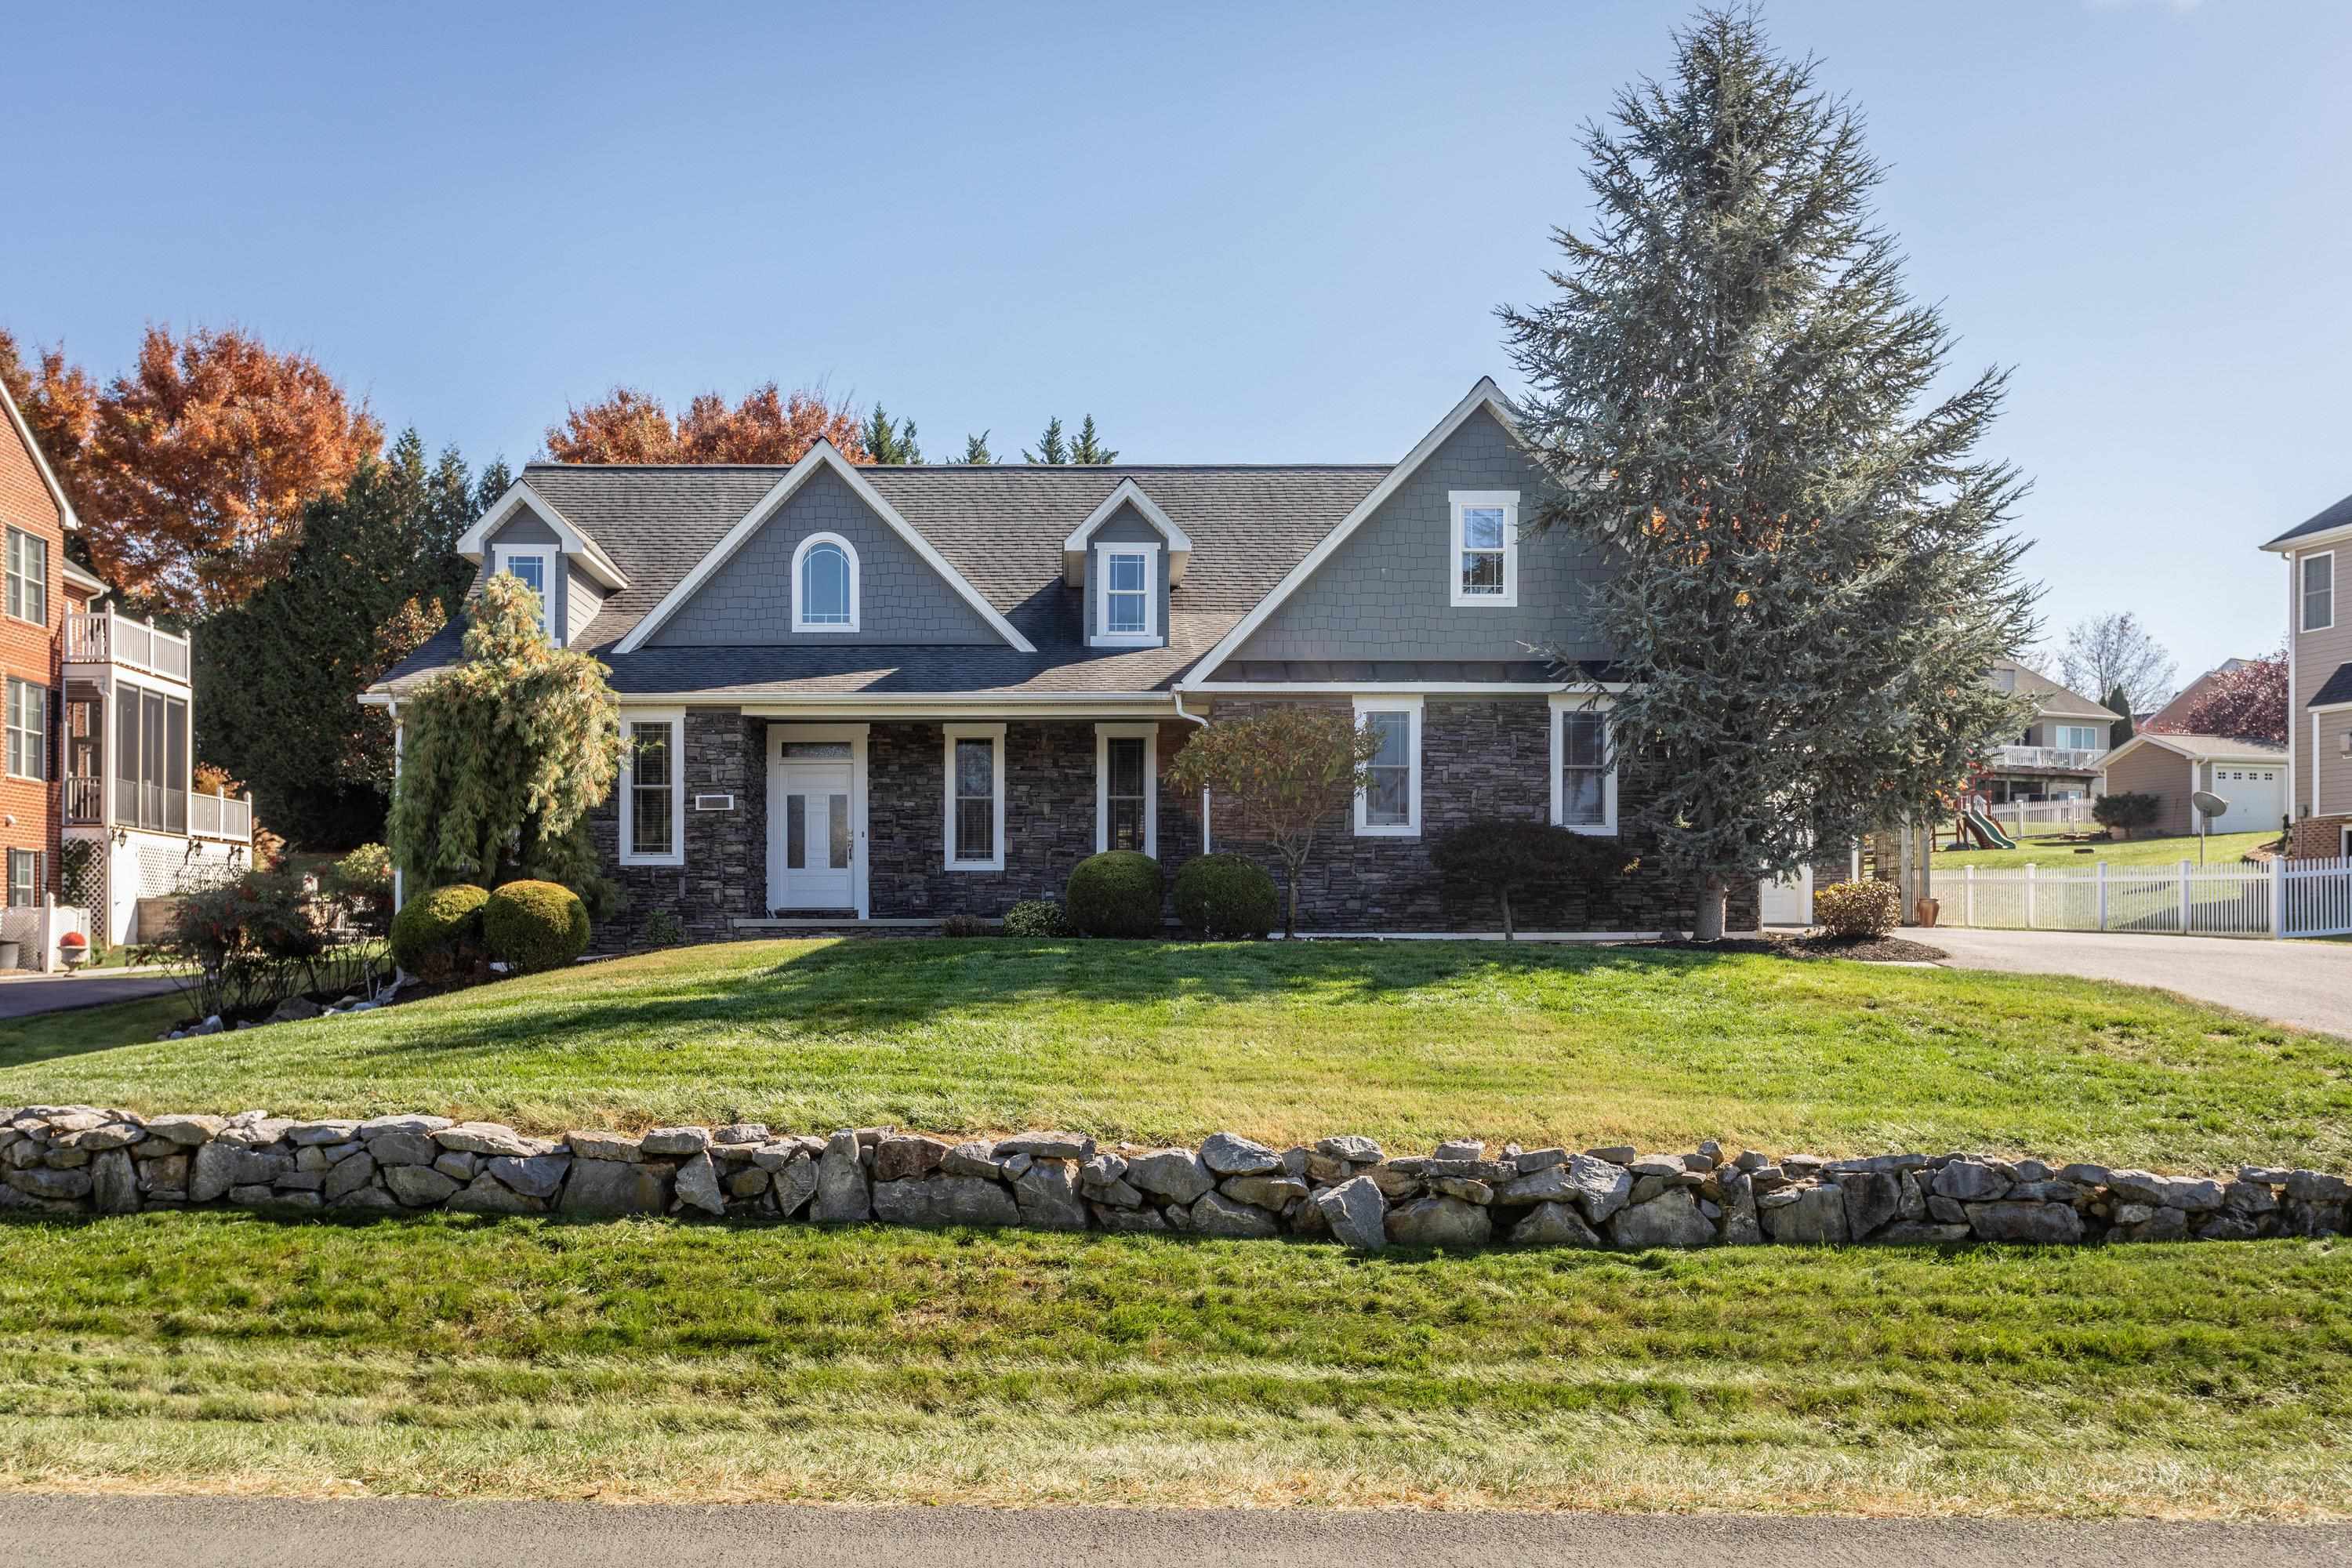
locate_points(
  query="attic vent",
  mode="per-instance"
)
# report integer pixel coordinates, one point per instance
(714, 803)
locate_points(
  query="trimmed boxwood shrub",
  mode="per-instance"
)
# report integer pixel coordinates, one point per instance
(1114, 893)
(1226, 896)
(1858, 908)
(439, 932)
(1036, 918)
(529, 926)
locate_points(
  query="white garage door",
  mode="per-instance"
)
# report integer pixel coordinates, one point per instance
(2256, 794)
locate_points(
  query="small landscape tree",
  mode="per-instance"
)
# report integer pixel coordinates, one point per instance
(503, 757)
(1278, 778)
(2248, 703)
(1505, 859)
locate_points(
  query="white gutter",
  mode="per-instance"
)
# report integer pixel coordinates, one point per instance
(1203, 722)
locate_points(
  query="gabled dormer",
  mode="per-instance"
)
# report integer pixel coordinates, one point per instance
(526, 537)
(1124, 558)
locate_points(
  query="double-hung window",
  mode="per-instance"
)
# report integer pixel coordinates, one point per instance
(653, 825)
(1483, 564)
(2318, 592)
(24, 879)
(1127, 608)
(1390, 803)
(28, 729)
(1127, 816)
(28, 578)
(975, 797)
(1583, 774)
(534, 567)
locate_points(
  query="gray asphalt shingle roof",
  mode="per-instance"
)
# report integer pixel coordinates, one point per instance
(1001, 527)
(2337, 516)
(2337, 689)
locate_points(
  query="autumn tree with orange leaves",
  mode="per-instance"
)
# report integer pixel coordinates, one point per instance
(1737, 403)
(767, 426)
(190, 471)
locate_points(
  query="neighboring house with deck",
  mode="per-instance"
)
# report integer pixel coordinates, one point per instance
(898, 693)
(96, 811)
(2060, 753)
(2319, 681)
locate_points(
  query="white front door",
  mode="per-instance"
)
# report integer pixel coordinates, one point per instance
(813, 825)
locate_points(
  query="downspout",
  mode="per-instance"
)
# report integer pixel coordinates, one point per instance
(1196, 719)
(392, 705)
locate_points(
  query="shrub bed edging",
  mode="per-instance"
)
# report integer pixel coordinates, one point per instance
(78, 1159)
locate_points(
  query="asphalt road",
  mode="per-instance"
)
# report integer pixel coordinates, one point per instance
(2306, 984)
(49, 1532)
(22, 998)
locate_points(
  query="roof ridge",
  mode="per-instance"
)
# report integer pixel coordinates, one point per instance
(964, 467)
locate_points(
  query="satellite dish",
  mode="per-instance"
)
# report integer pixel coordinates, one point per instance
(2211, 805)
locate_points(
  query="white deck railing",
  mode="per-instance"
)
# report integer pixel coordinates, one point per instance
(2075, 759)
(2281, 898)
(105, 637)
(220, 815)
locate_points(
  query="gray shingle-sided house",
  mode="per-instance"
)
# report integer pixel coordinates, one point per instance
(893, 694)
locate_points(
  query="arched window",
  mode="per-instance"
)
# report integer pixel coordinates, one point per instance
(824, 584)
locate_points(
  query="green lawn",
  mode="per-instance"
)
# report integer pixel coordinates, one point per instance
(1409, 1042)
(668, 1360)
(2221, 849)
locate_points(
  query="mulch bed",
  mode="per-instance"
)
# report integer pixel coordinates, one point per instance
(1864, 949)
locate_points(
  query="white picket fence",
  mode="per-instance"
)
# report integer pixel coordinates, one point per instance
(2021, 817)
(2282, 898)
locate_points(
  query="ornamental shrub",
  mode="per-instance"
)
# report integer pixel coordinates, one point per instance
(2120, 813)
(361, 885)
(1858, 908)
(1225, 897)
(529, 926)
(1034, 918)
(437, 934)
(1116, 893)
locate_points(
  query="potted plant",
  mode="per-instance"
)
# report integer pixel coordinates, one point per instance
(74, 949)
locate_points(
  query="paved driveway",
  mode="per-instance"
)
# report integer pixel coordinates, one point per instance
(243, 1532)
(31, 994)
(2307, 983)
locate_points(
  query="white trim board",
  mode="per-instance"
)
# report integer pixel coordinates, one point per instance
(801, 623)
(1149, 733)
(1485, 394)
(1102, 635)
(822, 456)
(626, 787)
(68, 518)
(1129, 493)
(949, 735)
(593, 559)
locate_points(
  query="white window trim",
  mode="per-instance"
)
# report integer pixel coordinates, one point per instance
(9, 727)
(1461, 501)
(2303, 595)
(1577, 703)
(39, 584)
(675, 719)
(949, 735)
(1149, 635)
(800, 553)
(1149, 735)
(550, 561)
(1411, 826)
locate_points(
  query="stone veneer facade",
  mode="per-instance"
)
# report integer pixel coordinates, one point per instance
(1480, 758)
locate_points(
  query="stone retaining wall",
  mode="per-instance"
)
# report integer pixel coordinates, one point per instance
(82, 1159)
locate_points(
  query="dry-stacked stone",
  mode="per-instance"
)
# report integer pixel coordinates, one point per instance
(80, 1159)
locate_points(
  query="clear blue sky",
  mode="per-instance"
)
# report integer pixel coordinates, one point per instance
(1255, 232)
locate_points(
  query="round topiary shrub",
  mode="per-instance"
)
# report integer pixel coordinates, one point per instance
(1225, 897)
(1116, 893)
(529, 926)
(1858, 908)
(438, 932)
(1036, 918)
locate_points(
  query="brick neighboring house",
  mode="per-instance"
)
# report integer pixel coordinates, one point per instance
(893, 694)
(97, 743)
(2319, 681)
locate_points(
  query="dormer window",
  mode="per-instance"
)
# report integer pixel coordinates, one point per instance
(824, 584)
(1485, 561)
(1126, 594)
(534, 568)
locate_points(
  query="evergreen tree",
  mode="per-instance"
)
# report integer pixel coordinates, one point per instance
(2118, 701)
(278, 678)
(503, 757)
(1728, 395)
(975, 450)
(1087, 448)
(889, 443)
(1051, 448)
